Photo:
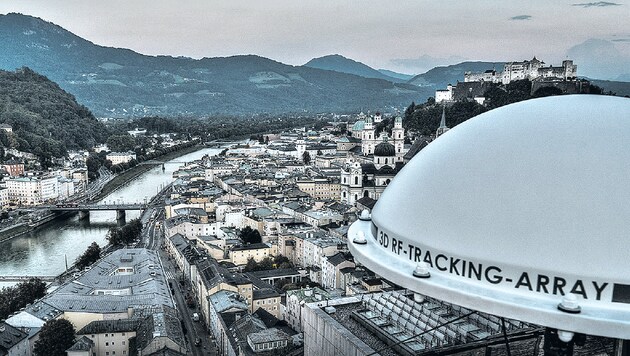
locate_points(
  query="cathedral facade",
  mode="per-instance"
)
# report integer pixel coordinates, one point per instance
(373, 162)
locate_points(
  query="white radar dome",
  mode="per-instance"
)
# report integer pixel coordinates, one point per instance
(522, 211)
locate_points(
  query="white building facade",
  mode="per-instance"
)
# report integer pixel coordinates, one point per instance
(32, 190)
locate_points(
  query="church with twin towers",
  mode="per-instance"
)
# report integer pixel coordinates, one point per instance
(375, 155)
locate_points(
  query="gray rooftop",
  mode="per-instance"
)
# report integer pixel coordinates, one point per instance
(225, 300)
(268, 335)
(10, 336)
(102, 326)
(105, 289)
(82, 344)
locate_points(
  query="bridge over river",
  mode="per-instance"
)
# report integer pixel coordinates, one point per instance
(158, 162)
(85, 208)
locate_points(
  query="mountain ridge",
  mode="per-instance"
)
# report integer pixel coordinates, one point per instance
(118, 82)
(341, 64)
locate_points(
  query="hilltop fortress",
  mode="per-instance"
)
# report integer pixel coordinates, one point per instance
(532, 70)
(475, 85)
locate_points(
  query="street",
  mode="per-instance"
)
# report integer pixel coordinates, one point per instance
(152, 236)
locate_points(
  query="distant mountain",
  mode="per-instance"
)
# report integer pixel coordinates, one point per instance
(440, 77)
(46, 121)
(341, 64)
(119, 82)
(619, 88)
(393, 74)
(600, 59)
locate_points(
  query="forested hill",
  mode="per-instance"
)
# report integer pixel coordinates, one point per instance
(46, 120)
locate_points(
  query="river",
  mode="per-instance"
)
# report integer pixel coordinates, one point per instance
(43, 252)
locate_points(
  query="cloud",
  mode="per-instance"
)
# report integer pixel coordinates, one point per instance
(596, 4)
(521, 17)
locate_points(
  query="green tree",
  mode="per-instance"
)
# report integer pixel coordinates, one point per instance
(91, 255)
(55, 337)
(409, 111)
(264, 265)
(126, 234)
(306, 157)
(281, 261)
(93, 165)
(121, 143)
(250, 236)
(114, 236)
(547, 91)
(250, 266)
(15, 298)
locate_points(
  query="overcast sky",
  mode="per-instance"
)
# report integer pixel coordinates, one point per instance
(408, 36)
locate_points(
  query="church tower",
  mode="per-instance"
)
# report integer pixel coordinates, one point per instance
(351, 182)
(443, 128)
(398, 138)
(378, 117)
(368, 139)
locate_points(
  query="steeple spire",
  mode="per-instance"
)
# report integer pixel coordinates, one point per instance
(443, 121)
(443, 128)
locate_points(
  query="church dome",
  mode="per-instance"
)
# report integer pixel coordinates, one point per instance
(358, 126)
(514, 209)
(385, 149)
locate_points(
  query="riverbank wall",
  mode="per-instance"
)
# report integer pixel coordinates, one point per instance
(23, 228)
(14, 231)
